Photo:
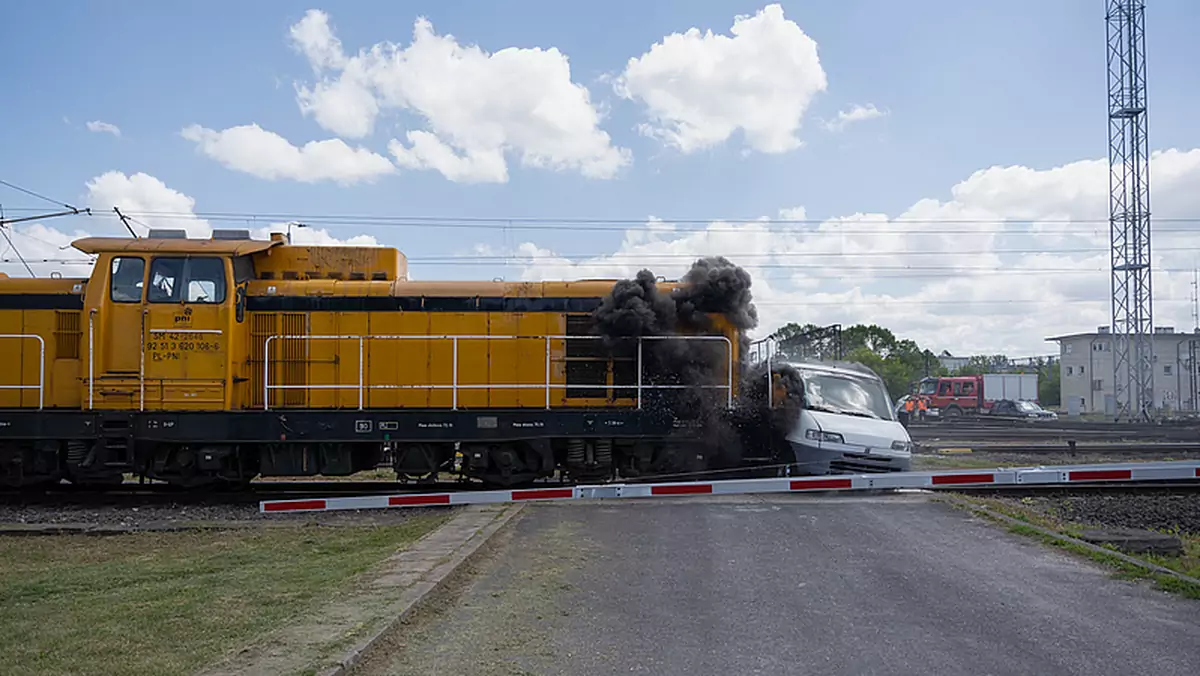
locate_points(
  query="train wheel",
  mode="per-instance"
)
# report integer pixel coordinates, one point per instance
(504, 464)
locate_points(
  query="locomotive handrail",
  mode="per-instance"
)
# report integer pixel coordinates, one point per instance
(91, 357)
(40, 387)
(455, 386)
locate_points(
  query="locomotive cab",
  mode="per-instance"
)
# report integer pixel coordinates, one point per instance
(165, 316)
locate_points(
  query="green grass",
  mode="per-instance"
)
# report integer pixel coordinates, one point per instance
(1187, 563)
(923, 463)
(170, 603)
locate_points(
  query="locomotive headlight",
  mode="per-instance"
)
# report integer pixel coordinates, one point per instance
(821, 435)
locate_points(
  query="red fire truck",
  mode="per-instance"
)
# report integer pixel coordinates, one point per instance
(953, 396)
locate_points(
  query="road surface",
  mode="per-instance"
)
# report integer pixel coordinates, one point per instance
(786, 585)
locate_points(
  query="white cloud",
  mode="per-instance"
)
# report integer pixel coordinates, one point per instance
(699, 88)
(45, 249)
(1015, 255)
(793, 214)
(478, 108)
(103, 128)
(156, 205)
(856, 113)
(150, 204)
(313, 236)
(256, 151)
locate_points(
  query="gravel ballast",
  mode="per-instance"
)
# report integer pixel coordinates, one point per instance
(1154, 511)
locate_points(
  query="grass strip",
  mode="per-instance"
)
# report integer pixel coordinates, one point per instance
(1127, 567)
(170, 603)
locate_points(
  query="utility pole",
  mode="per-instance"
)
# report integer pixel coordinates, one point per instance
(1129, 211)
(298, 224)
(1195, 300)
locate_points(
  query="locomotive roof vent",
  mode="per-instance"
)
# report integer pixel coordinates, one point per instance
(231, 234)
(167, 234)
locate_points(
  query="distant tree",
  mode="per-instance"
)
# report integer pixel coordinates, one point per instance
(1050, 384)
(875, 338)
(900, 362)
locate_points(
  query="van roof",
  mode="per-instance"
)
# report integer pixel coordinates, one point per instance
(848, 368)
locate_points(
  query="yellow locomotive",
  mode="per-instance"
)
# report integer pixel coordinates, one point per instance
(222, 359)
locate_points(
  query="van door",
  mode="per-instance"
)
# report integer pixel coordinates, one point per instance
(189, 305)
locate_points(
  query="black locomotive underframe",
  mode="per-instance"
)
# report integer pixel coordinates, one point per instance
(342, 426)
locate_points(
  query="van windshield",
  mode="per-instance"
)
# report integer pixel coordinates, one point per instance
(838, 393)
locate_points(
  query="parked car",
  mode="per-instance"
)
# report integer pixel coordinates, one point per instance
(1021, 409)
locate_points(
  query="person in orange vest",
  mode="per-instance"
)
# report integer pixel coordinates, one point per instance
(922, 407)
(910, 405)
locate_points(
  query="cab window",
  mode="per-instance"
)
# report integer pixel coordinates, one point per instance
(165, 274)
(125, 282)
(192, 280)
(206, 280)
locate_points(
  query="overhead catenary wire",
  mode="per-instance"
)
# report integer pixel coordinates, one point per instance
(666, 226)
(4, 231)
(38, 195)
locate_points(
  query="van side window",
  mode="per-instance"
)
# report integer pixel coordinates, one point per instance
(165, 275)
(206, 280)
(125, 284)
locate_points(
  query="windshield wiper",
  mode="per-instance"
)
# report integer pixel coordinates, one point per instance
(842, 411)
(860, 414)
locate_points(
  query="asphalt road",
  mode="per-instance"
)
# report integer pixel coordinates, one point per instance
(787, 585)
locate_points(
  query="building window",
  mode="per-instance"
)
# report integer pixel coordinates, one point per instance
(1166, 369)
(1082, 402)
(1067, 348)
(1097, 385)
(1081, 369)
(1070, 371)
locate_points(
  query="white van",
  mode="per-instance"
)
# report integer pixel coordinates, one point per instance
(847, 423)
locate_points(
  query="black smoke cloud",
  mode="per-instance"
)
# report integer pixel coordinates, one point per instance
(637, 308)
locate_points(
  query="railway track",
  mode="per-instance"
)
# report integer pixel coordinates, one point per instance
(133, 494)
(1027, 431)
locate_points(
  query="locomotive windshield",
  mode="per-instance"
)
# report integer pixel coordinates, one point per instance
(847, 394)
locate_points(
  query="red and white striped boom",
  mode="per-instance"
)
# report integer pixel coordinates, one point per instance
(1063, 475)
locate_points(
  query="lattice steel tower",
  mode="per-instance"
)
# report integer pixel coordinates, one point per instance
(1129, 211)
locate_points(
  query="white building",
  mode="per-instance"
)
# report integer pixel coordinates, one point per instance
(1086, 367)
(952, 363)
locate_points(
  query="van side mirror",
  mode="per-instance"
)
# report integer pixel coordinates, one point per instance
(239, 308)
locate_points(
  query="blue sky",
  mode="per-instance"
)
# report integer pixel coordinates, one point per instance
(962, 87)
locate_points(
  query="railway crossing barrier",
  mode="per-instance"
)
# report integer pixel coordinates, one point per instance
(1060, 474)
